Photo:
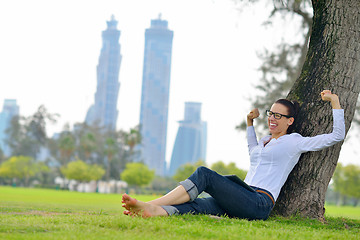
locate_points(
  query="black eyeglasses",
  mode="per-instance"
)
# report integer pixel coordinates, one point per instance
(276, 115)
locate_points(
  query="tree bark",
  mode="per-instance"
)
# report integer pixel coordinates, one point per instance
(332, 63)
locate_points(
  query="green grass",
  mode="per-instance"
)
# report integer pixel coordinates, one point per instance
(343, 211)
(50, 214)
(25, 199)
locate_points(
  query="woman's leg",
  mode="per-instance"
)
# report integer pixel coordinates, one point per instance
(177, 196)
(139, 208)
(235, 200)
(206, 205)
(227, 198)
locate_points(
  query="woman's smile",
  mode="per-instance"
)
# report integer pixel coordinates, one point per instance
(272, 125)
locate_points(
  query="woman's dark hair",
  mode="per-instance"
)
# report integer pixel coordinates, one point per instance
(293, 108)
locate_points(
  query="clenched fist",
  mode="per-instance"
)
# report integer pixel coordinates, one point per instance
(252, 115)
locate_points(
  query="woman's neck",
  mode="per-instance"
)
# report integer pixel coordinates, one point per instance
(276, 136)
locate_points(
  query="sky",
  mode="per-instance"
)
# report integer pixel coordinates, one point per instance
(49, 51)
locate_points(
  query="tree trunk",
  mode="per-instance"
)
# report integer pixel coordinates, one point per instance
(355, 202)
(332, 63)
(108, 167)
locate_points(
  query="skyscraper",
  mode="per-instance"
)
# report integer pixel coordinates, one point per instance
(10, 110)
(155, 94)
(191, 138)
(104, 111)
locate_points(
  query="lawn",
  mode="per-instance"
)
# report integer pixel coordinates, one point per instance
(51, 214)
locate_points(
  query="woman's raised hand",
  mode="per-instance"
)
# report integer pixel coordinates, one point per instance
(327, 96)
(252, 115)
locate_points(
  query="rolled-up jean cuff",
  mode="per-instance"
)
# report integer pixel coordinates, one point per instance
(171, 210)
(190, 188)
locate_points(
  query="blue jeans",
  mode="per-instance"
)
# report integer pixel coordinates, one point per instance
(227, 197)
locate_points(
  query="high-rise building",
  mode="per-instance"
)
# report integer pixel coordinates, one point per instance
(191, 138)
(104, 111)
(155, 94)
(10, 110)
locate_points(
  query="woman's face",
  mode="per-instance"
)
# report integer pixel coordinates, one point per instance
(278, 127)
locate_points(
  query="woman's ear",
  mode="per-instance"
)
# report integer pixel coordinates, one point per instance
(291, 121)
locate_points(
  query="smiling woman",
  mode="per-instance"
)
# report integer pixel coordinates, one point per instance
(282, 116)
(271, 159)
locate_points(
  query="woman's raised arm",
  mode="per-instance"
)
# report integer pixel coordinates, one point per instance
(326, 140)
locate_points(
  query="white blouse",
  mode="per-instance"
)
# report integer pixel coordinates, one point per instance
(270, 165)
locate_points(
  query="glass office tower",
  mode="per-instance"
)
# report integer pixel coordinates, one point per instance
(155, 94)
(104, 111)
(10, 110)
(191, 138)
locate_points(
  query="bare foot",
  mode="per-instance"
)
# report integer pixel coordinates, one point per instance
(135, 207)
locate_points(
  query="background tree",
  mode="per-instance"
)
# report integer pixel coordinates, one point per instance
(83, 172)
(94, 144)
(223, 169)
(63, 147)
(137, 174)
(162, 185)
(76, 170)
(95, 172)
(66, 146)
(18, 140)
(130, 140)
(26, 135)
(220, 167)
(46, 176)
(184, 171)
(89, 142)
(111, 148)
(346, 181)
(21, 167)
(339, 180)
(88, 145)
(36, 124)
(2, 156)
(282, 66)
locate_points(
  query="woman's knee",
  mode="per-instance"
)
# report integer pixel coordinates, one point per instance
(203, 169)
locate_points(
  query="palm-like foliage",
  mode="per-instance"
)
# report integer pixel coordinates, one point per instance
(111, 148)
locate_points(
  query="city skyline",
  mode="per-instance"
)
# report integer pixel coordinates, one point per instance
(72, 64)
(50, 52)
